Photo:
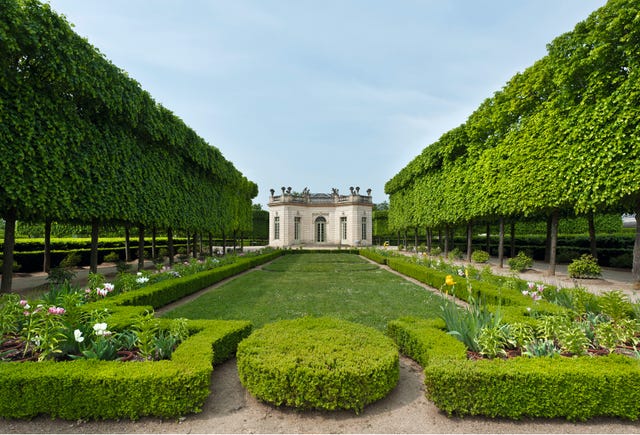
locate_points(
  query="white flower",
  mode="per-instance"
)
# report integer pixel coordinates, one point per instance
(102, 291)
(36, 340)
(101, 329)
(108, 286)
(139, 274)
(77, 334)
(142, 280)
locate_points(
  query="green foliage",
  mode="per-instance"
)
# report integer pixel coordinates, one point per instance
(479, 256)
(559, 138)
(318, 363)
(585, 267)
(16, 266)
(58, 276)
(573, 388)
(71, 261)
(520, 262)
(166, 389)
(112, 257)
(455, 254)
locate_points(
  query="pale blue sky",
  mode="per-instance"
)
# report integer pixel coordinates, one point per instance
(322, 94)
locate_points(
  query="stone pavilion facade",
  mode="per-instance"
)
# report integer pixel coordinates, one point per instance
(320, 219)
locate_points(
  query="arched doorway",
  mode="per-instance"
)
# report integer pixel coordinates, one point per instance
(321, 229)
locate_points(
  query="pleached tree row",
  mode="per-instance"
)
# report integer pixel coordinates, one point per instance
(562, 138)
(80, 141)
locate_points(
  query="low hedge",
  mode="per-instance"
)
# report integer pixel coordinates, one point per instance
(573, 388)
(90, 389)
(490, 293)
(160, 294)
(373, 255)
(318, 363)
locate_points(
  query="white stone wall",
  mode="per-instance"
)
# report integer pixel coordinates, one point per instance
(308, 215)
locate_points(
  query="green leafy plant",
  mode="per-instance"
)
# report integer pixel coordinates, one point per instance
(58, 276)
(493, 340)
(455, 254)
(71, 260)
(541, 348)
(585, 267)
(479, 256)
(112, 257)
(520, 262)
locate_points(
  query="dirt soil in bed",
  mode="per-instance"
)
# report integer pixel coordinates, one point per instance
(231, 409)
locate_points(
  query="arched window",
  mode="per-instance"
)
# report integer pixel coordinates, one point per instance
(321, 229)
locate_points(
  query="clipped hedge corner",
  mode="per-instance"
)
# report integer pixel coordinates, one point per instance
(318, 363)
(573, 388)
(91, 389)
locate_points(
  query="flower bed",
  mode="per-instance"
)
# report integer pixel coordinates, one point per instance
(318, 363)
(574, 388)
(94, 388)
(91, 389)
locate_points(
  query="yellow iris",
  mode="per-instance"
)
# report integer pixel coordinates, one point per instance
(449, 280)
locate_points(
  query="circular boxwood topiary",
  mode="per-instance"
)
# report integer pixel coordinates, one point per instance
(318, 363)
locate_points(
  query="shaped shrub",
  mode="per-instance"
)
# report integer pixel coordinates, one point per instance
(318, 363)
(584, 267)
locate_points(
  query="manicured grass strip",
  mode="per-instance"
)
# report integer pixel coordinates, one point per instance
(343, 286)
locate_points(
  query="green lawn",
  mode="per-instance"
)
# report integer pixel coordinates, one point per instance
(338, 285)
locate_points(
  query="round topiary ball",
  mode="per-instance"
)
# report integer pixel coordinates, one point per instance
(318, 363)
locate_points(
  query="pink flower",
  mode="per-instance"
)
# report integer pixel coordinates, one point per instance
(102, 292)
(540, 287)
(531, 285)
(108, 287)
(56, 310)
(26, 313)
(24, 302)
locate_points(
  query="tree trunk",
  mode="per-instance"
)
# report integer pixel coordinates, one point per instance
(592, 236)
(429, 240)
(446, 241)
(398, 234)
(127, 236)
(153, 242)
(194, 245)
(440, 238)
(547, 246)
(93, 262)
(140, 247)
(46, 263)
(489, 239)
(7, 252)
(635, 271)
(501, 244)
(554, 243)
(201, 250)
(241, 242)
(415, 239)
(170, 245)
(469, 240)
(210, 245)
(513, 239)
(235, 240)
(224, 243)
(188, 244)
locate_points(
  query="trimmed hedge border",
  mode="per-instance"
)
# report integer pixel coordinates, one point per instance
(318, 363)
(90, 389)
(160, 294)
(572, 388)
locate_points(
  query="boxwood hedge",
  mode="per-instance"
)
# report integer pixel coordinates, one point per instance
(91, 389)
(573, 388)
(318, 363)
